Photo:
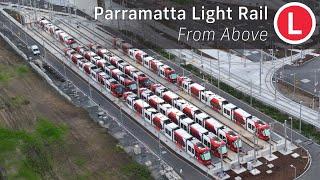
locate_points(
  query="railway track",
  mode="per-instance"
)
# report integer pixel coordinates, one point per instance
(230, 153)
(110, 39)
(85, 36)
(59, 50)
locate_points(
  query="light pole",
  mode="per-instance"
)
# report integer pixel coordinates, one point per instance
(291, 121)
(251, 93)
(221, 161)
(300, 115)
(260, 77)
(219, 70)
(160, 158)
(254, 148)
(294, 85)
(295, 170)
(319, 106)
(285, 135)
(229, 61)
(270, 145)
(275, 86)
(238, 151)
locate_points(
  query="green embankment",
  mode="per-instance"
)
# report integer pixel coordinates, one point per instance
(27, 155)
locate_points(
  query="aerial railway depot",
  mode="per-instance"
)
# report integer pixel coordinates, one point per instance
(143, 90)
(170, 126)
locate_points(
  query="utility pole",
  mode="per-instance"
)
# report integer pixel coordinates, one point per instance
(291, 122)
(275, 87)
(219, 69)
(285, 135)
(300, 115)
(211, 72)
(260, 82)
(315, 89)
(294, 85)
(254, 148)
(238, 151)
(291, 53)
(318, 106)
(245, 58)
(221, 161)
(160, 157)
(251, 94)
(229, 60)
(270, 146)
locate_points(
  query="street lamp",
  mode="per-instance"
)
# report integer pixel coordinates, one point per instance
(291, 122)
(294, 85)
(300, 115)
(295, 171)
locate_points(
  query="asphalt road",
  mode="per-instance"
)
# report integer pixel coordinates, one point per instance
(189, 172)
(307, 76)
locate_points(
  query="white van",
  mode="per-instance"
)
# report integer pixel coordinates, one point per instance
(35, 50)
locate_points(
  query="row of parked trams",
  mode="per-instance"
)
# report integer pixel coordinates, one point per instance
(183, 123)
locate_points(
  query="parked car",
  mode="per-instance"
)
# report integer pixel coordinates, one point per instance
(35, 50)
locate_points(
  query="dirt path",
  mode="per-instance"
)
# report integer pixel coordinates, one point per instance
(90, 153)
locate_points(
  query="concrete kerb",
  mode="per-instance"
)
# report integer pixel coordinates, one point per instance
(306, 169)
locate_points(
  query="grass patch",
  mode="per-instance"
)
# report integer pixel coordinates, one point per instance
(118, 149)
(9, 72)
(136, 171)
(80, 161)
(5, 74)
(27, 155)
(49, 132)
(22, 70)
(18, 101)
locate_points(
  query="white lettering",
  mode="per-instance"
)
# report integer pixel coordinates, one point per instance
(290, 25)
(98, 11)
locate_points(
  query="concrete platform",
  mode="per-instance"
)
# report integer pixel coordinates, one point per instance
(238, 170)
(269, 171)
(295, 155)
(287, 152)
(257, 163)
(271, 158)
(255, 172)
(270, 166)
(222, 176)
